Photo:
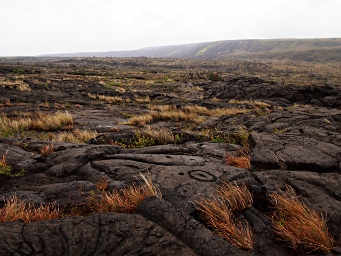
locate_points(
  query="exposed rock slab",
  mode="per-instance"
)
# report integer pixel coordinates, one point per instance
(112, 234)
(295, 153)
(185, 173)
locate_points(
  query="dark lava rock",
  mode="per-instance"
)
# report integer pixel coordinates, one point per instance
(185, 173)
(110, 234)
(294, 153)
(255, 88)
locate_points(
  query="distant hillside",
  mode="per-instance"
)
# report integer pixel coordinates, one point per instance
(294, 49)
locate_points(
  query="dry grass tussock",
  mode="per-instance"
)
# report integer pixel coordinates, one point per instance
(161, 135)
(76, 136)
(238, 161)
(5, 169)
(40, 122)
(238, 197)
(47, 150)
(102, 184)
(255, 103)
(16, 209)
(241, 158)
(295, 222)
(161, 107)
(218, 212)
(142, 99)
(108, 99)
(48, 122)
(125, 200)
(18, 84)
(214, 112)
(195, 114)
(174, 115)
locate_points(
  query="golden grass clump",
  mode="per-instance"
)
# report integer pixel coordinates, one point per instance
(41, 122)
(162, 107)
(9, 126)
(48, 122)
(141, 120)
(142, 99)
(47, 150)
(255, 103)
(108, 99)
(218, 212)
(214, 112)
(172, 115)
(16, 209)
(161, 135)
(18, 84)
(221, 219)
(238, 197)
(296, 223)
(176, 115)
(238, 161)
(102, 184)
(197, 109)
(196, 114)
(228, 111)
(5, 169)
(126, 200)
(76, 136)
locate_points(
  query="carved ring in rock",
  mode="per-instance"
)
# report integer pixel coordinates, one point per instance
(201, 175)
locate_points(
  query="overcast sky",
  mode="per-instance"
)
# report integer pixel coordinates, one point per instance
(31, 27)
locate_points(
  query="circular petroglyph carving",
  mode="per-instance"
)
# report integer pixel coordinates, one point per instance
(201, 175)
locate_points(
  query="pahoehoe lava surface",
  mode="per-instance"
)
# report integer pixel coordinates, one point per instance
(294, 140)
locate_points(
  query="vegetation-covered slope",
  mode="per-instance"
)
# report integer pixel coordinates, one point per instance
(301, 49)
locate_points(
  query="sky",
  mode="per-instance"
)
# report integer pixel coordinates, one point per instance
(33, 27)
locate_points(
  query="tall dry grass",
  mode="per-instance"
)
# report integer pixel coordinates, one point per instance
(47, 150)
(5, 169)
(298, 224)
(238, 161)
(125, 200)
(161, 135)
(255, 103)
(52, 122)
(238, 197)
(16, 209)
(108, 99)
(76, 136)
(218, 212)
(39, 121)
(173, 115)
(214, 112)
(194, 113)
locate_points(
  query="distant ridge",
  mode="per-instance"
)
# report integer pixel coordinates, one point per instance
(327, 49)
